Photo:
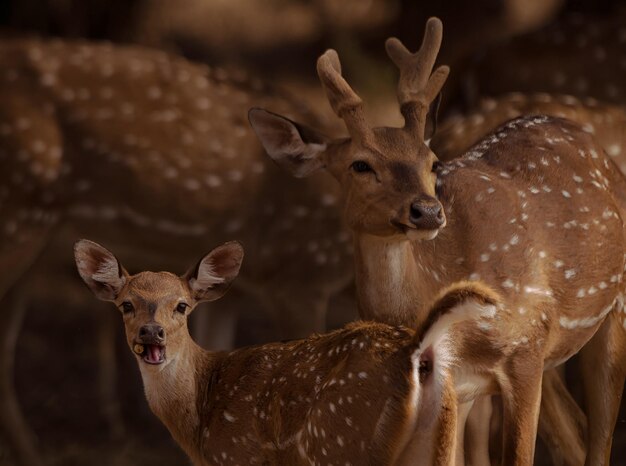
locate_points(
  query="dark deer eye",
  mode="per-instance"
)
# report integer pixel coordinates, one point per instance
(182, 307)
(127, 307)
(360, 166)
(437, 165)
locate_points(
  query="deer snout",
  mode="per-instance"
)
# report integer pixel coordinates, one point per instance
(152, 334)
(427, 213)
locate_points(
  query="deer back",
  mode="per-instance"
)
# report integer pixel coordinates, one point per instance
(605, 121)
(540, 207)
(341, 396)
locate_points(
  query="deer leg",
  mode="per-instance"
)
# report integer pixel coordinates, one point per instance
(464, 410)
(107, 372)
(521, 398)
(478, 432)
(17, 432)
(562, 424)
(603, 363)
(435, 439)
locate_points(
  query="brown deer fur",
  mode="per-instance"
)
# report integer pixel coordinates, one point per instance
(359, 395)
(535, 210)
(607, 123)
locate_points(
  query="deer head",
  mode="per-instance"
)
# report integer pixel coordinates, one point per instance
(155, 305)
(387, 174)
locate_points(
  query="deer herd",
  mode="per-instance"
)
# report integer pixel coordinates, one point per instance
(486, 252)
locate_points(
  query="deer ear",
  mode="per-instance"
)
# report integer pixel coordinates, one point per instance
(294, 147)
(214, 273)
(99, 269)
(431, 118)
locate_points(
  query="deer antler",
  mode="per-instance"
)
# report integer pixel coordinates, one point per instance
(417, 87)
(344, 101)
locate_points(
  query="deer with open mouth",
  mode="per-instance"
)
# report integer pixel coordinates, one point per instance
(368, 393)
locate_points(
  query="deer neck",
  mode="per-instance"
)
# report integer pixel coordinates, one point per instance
(392, 283)
(172, 393)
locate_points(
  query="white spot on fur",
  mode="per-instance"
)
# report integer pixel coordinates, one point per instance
(587, 322)
(537, 290)
(614, 150)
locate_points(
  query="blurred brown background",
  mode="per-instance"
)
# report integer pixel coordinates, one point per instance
(82, 395)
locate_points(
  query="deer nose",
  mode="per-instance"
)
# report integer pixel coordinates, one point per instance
(152, 333)
(427, 213)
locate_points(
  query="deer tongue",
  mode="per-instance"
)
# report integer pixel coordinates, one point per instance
(154, 353)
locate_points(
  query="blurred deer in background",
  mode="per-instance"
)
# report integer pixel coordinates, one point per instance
(549, 60)
(592, 95)
(513, 212)
(137, 147)
(209, 28)
(606, 122)
(283, 36)
(366, 394)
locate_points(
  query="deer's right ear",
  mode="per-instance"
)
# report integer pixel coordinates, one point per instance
(298, 149)
(99, 269)
(213, 275)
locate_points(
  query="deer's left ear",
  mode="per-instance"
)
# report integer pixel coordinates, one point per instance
(294, 147)
(212, 276)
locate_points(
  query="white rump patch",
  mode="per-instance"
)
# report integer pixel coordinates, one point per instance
(437, 337)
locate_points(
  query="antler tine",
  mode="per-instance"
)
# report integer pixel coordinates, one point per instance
(344, 101)
(417, 86)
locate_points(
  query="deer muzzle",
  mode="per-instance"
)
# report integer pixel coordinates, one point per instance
(427, 214)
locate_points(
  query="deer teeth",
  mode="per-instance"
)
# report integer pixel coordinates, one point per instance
(138, 349)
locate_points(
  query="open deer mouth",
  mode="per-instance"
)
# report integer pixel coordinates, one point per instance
(150, 353)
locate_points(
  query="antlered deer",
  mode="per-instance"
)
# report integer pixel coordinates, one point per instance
(138, 147)
(368, 393)
(535, 210)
